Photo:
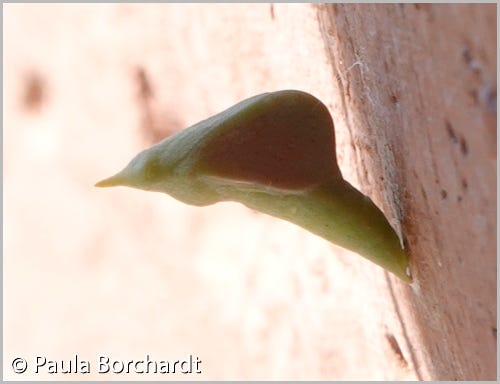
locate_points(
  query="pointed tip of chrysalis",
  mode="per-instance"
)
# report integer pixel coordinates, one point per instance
(113, 181)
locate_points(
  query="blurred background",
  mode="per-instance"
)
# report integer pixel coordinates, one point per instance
(125, 273)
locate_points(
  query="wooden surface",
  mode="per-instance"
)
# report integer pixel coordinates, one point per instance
(124, 273)
(421, 107)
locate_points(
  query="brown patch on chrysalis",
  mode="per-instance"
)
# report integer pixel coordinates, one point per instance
(285, 140)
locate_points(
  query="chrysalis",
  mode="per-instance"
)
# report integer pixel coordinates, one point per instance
(275, 153)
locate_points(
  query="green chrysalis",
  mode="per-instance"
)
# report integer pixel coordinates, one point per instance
(275, 153)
